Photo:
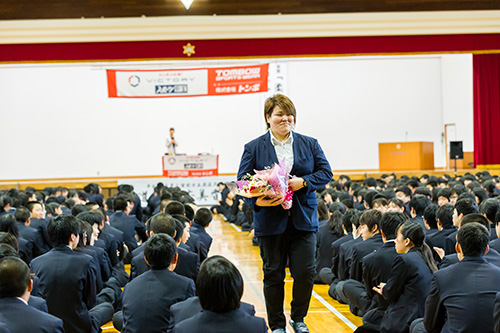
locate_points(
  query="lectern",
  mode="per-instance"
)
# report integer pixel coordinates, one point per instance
(399, 156)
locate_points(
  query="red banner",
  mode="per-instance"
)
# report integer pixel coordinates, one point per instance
(187, 82)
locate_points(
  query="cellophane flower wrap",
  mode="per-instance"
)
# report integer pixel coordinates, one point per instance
(271, 182)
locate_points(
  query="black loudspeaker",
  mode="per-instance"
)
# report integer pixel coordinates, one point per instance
(456, 150)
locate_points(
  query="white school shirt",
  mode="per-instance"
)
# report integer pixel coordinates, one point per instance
(284, 150)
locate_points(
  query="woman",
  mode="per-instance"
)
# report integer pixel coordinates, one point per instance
(289, 233)
(409, 281)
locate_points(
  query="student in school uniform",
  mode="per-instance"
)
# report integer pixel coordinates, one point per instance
(409, 281)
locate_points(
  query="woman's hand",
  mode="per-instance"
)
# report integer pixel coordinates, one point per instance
(268, 202)
(296, 183)
(380, 288)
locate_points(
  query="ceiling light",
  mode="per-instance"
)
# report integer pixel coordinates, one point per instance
(187, 3)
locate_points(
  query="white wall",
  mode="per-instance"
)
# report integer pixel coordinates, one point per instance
(57, 120)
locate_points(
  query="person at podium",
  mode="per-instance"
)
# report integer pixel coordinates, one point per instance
(171, 143)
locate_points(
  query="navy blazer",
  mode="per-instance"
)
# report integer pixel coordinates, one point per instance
(345, 257)
(32, 235)
(147, 300)
(496, 313)
(406, 290)
(309, 162)
(38, 303)
(41, 226)
(19, 317)
(495, 244)
(227, 322)
(449, 243)
(359, 251)
(324, 241)
(205, 240)
(492, 256)
(190, 307)
(462, 296)
(130, 226)
(376, 269)
(68, 284)
(336, 252)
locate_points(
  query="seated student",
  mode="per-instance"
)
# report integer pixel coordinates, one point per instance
(22, 216)
(376, 269)
(417, 207)
(26, 249)
(372, 241)
(462, 295)
(327, 234)
(492, 256)
(443, 196)
(380, 204)
(495, 244)
(37, 221)
(409, 281)
(489, 208)
(35, 301)
(329, 274)
(462, 207)
(128, 224)
(404, 194)
(68, 280)
(396, 205)
(219, 288)
(15, 288)
(188, 264)
(202, 220)
(445, 226)
(147, 299)
(175, 207)
(430, 220)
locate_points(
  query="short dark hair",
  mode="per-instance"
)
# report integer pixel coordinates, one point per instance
(119, 203)
(473, 239)
(60, 229)
(92, 217)
(430, 215)
(179, 229)
(445, 215)
(160, 250)
(22, 214)
(10, 239)
(346, 219)
(418, 203)
(371, 218)
(283, 102)
(77, 209)
(8, 224)
(6, 250)
(390, 222)
(444, 192)
(14, 277)
(405, 189)
(32, 204)
(466, 206)
(474, 217)
(175, 207)
(161, 223)
(189, 212)
(203, 217)
(489, 207)
(219, 285)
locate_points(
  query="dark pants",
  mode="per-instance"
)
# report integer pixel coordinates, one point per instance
(299, 248)
(359, 301)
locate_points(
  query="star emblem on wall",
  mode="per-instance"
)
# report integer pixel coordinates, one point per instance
(188, 49)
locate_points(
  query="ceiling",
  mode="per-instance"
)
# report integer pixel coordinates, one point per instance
(59, 9)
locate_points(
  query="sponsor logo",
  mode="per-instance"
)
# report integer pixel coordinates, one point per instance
(167, 89)
(134, 80)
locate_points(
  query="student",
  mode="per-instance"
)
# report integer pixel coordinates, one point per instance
(220, 287)
(376, 269)
(462, 295)
(495, 244)
(128, 224)
(68, 280)
(147, 298)
(462, 207)
(443, 196)
(409, 281)
(15, 288)
(489, 208)
(202, 220)
(430, 220)
(417, 207)
(327, 234)
(26, 248)
(37, 221)
(445, 226)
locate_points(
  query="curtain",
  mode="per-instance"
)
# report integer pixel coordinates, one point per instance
(486, 110)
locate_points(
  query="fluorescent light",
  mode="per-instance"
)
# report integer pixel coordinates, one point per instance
(187, 3)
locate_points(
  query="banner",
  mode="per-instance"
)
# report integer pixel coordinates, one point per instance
(202, 189)
(190, 166)
(187, 82)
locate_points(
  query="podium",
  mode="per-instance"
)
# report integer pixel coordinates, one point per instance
(190, 165)
(404, 156)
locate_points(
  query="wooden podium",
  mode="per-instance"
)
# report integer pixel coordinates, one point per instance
(397, 156)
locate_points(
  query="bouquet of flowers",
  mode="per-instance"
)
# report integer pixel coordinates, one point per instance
(271, 182)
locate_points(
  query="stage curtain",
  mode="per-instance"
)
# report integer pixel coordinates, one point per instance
(487, 110)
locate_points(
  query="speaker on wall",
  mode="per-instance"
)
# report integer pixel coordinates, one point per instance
(456, 150)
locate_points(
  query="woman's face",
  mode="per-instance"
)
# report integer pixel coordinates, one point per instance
(280, 123)
(401, 243)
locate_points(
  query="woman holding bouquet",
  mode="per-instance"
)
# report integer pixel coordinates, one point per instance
(287, 233)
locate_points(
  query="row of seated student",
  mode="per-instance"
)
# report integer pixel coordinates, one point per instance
(77, 259)
(417, 255)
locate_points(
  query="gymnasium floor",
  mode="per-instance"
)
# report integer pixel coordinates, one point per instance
(325, 314)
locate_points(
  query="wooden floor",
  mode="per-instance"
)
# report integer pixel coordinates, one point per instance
(325, 314)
